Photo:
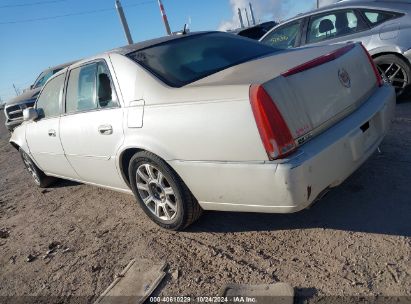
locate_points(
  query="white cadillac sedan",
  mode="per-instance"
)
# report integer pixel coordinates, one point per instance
(209, 121)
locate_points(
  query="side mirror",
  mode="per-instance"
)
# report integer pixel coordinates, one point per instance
(30, 114)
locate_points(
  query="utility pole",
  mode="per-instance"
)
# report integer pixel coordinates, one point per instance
(318, 3)
(252, 13)
(124, 22)
(241, 18)
(246, 14)
(165, 20)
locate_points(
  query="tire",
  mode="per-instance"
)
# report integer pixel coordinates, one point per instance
(396, 70)
(39, 178)
(161, 193)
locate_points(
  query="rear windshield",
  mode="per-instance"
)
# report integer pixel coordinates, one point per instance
(185, 60)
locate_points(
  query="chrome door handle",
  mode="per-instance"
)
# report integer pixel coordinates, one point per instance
(52, 133)
(105, 130)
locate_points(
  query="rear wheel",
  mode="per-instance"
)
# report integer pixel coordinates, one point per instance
(394, 70)
(161, 193)
(40, 179)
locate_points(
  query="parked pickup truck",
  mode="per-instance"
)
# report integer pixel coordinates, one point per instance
(13, 109)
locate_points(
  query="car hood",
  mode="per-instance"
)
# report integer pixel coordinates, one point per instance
(27, 95)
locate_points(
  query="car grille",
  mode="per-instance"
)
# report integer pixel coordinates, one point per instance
(15, 112)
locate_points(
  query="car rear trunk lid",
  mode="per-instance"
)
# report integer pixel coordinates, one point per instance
(314, 96)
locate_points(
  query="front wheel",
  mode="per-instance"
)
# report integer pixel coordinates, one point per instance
(40, 179)
(394, 70)
(161, 193)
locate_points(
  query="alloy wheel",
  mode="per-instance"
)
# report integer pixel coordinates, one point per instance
(394, 74)
(156, 192)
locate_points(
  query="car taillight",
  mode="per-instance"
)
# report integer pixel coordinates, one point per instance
(374, 67)
(274, 132)
(319, 61)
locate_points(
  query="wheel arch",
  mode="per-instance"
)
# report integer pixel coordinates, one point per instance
(19, 144)
(127, 153)
(399, 55)
(15, 145)
(124, 162)
(18, 139)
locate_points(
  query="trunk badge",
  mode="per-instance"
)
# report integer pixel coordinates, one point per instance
(344, 78)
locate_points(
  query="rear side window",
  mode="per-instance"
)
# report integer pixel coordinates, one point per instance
(284, 37)
(377, 17)
(90, 88)
(48, 102)
(334, 25)
(184, 60)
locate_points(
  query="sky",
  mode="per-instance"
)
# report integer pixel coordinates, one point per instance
(37, 34)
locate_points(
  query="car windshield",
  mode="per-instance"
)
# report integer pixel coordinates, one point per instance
(44, 76)
(185, 60)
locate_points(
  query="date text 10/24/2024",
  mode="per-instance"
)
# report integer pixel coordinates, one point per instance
(236, 299)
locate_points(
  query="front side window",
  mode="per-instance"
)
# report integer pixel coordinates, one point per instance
(377, 17)
(337, 24)
(48, 103)
(90, 88)
(284, 37)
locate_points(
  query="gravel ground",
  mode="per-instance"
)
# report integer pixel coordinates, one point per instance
(355, 242)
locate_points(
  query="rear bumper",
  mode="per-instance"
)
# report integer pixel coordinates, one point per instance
(294, 184)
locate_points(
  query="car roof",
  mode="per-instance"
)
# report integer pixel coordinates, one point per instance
(60, 66)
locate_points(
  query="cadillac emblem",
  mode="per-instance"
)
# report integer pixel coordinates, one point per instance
(344, 78)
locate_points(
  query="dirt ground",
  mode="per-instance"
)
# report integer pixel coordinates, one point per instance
(355, 242)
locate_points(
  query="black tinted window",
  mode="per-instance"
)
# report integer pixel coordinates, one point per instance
(48, 102)
(284, 37)
(185, 60)
(254, 33)
(258, 31)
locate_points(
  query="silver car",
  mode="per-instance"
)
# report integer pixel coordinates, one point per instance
(384, 28)
(209, 121)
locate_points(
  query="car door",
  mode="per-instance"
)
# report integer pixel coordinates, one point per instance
(43, 135)
(92, 126)
(286, 36)
(337, 27)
